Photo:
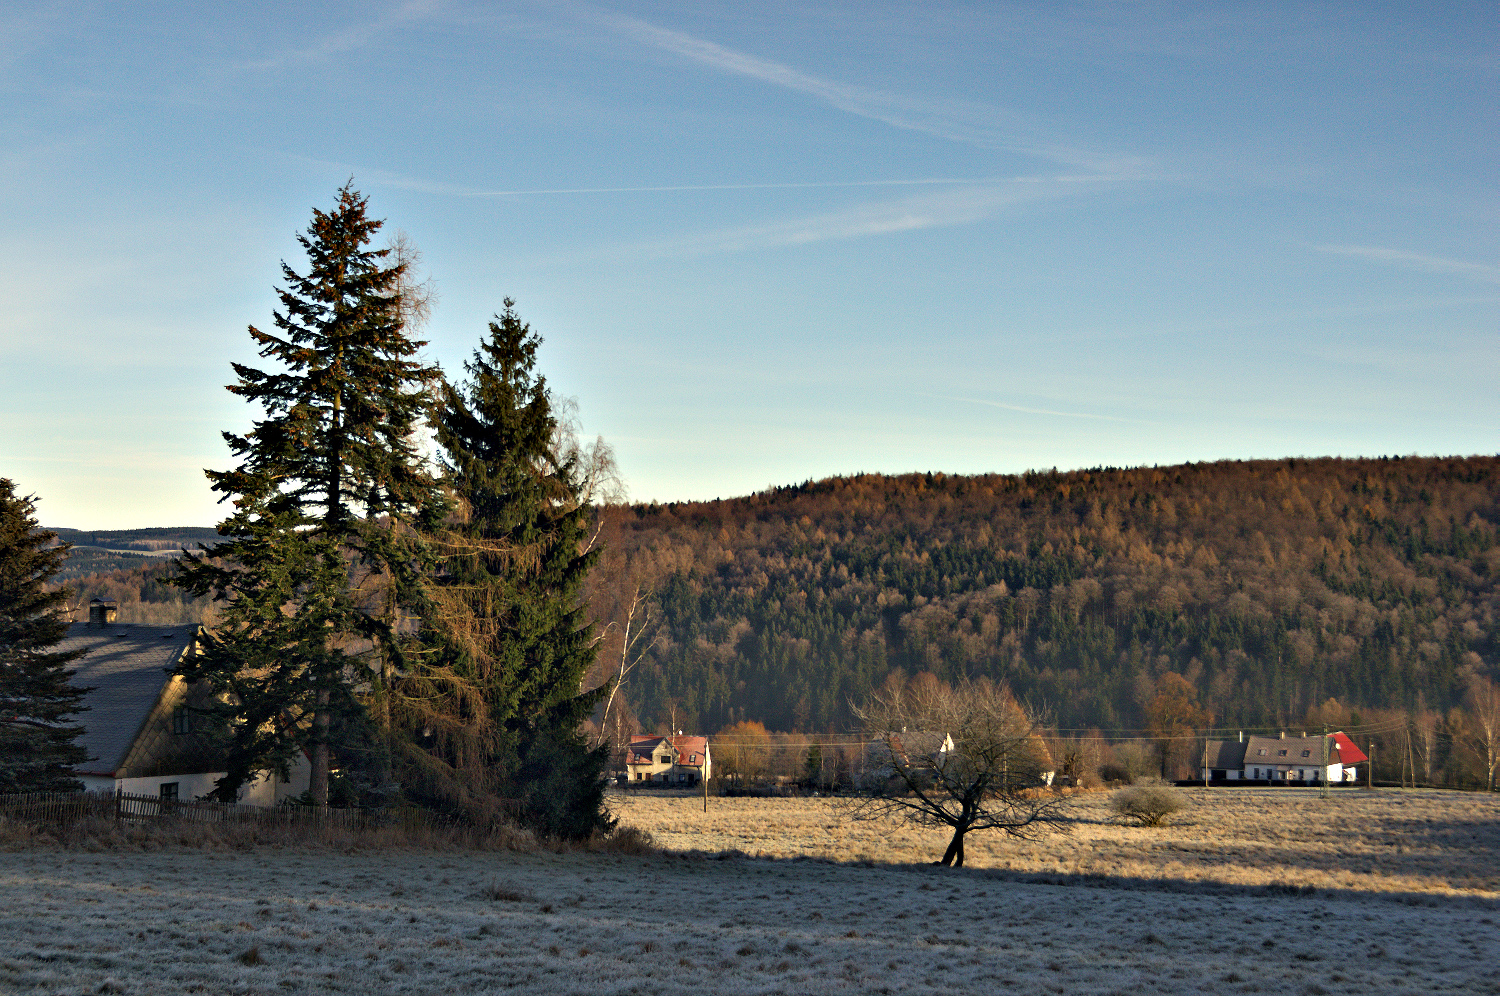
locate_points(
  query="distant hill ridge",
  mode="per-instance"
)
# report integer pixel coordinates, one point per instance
(100, 551)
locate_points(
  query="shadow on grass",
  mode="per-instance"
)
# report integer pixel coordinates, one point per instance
(1128, 883)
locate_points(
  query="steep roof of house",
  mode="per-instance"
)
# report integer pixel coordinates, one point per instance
(689, 746)
(1294, 746)
(126, 666)
(1347, 752)
(1225, 754)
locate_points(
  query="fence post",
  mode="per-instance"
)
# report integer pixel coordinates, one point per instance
(119, 802)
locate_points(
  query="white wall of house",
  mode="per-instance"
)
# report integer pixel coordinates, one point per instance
(266, 790)
(189, 787)
(1293, 773)
(270, 790)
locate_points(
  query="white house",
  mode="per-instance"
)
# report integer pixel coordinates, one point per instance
(141, 737)
(1283, 759)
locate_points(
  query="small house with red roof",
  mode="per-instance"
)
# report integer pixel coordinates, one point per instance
(669, 760)
(1283, 759)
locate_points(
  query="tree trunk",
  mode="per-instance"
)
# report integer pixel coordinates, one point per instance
(954, 856)
(318, 778)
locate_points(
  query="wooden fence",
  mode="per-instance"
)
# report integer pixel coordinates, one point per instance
(60, 808)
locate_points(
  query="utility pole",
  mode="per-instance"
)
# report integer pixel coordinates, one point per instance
(1324, 779)
(1371, 779)
(1206, 773)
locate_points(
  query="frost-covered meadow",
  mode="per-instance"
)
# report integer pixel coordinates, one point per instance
(280, 920)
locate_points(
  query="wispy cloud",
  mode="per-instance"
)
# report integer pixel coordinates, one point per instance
(969, 122)
(1486, 272)
(355, 37)
(961, 206)
(454, 190)
(1041, 411)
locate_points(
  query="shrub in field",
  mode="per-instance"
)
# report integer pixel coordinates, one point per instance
(1109, 773)
(624, 840)
(1148, 805)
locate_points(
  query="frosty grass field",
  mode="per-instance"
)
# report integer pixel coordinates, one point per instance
(1249, 891)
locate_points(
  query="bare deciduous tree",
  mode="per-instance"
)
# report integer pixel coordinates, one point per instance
(1481, 734)
(986, 780)
(638, 634)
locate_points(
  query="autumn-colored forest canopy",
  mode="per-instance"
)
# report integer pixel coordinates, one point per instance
(1271, 586)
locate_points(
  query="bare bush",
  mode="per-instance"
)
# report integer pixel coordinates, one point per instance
(624, 840)
(1147, 805)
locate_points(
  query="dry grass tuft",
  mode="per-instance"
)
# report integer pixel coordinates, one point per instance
(624, 840)
(497, 893)
(250, 957)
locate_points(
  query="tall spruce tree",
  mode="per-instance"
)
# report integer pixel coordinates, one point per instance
(506, 641)
(324, 485)
(37, 702)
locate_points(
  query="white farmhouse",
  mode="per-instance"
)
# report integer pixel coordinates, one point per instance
(141, 737)
(1283, 759)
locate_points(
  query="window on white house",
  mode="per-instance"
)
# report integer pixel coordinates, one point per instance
(168, 791)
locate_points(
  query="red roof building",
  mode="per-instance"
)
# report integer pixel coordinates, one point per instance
(670, 760)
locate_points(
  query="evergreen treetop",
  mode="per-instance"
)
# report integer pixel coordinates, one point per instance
(337, 437)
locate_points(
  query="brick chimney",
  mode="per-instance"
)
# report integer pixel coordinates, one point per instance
(102, 611)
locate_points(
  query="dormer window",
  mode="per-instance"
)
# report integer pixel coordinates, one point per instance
(1281, 753)
(1307, 753)
(1261, 752)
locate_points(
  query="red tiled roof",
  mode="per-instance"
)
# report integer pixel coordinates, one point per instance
(1347, 752)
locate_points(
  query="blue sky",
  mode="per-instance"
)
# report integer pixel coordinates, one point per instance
(765, 243)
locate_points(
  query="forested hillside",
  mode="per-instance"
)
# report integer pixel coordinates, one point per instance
(1271, 585)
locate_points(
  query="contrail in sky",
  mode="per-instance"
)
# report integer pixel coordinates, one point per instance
(457, 191)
